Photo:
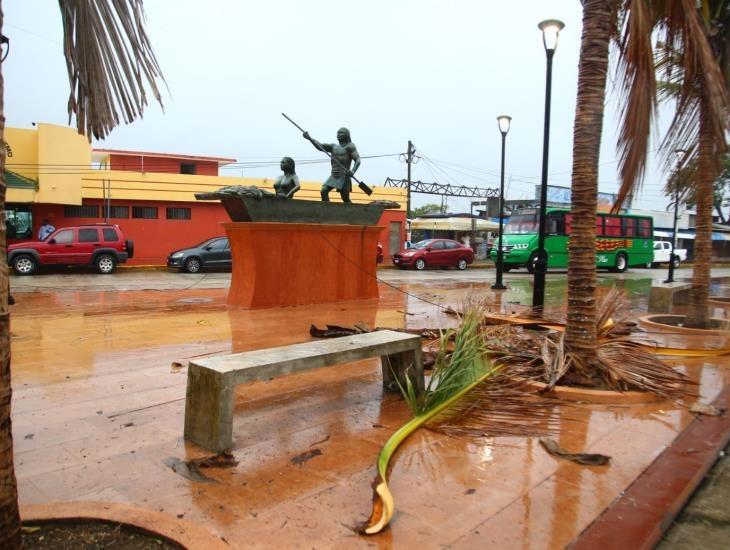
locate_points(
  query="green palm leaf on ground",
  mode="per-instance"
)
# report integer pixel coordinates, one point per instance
(467, 395)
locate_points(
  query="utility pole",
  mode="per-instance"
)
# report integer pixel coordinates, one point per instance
(409, 161)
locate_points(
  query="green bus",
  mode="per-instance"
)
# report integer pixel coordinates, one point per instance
(622, 240)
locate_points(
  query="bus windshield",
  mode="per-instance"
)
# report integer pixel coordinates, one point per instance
(522, 224)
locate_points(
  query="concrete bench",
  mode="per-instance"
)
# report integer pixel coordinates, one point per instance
(663, 296)
(212, 381)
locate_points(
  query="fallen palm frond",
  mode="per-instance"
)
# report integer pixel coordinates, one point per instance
(588, 459)
(626, 365)
(467, 395)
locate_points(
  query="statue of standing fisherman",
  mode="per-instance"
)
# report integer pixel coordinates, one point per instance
(343, 153)
(288, 184)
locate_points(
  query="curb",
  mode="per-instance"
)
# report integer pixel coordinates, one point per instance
(184, 532)
(639, 517)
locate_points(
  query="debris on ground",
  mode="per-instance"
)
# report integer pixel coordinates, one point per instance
(706, 409)
(190, 469)
(176, 367)
(333, 331)
(587, 459)
(301, 458)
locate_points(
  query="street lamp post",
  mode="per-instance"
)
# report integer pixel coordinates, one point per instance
(503, 122)
(550, 30)
(670, 274)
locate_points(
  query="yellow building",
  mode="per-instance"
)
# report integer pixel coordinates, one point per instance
(53, 173)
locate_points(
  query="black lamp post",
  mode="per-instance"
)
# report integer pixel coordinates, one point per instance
(550, 30)
(670, 274)
(503, 122)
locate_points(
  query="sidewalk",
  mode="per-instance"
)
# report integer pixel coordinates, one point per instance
(98, 408)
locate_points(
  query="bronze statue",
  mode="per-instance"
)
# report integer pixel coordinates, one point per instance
(288, 184)
(343, 153)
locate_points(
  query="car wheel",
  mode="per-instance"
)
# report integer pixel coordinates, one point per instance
(461, 264)
(420, 264)
(676, 262)
(23, 264)
(192, 265)
(531, 262)
(621, 263)
(105, 264)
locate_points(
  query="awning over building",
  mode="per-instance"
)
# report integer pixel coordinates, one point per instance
(454, 224)
(690, 236)
(19, 182)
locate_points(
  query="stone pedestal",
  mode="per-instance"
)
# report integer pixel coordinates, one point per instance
(285, 264)
(663, 296)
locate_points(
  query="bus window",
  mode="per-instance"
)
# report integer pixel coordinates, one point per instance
(628, 227)
(645, 228)
(555, 223)
(613, 226)
(599, 226)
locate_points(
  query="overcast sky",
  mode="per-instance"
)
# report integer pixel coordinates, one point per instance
(435, 72)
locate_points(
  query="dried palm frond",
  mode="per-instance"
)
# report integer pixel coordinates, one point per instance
(503, 405)
(627, 365)
(638, 93)
(109, 59)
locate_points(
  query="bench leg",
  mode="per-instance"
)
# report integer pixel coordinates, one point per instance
(395, 367)
(209, 409)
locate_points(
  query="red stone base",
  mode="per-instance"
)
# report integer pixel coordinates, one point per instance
(285, 264)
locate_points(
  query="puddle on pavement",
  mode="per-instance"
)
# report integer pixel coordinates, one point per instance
(307, 444)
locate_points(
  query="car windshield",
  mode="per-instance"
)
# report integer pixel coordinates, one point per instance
(523, 224)
(423, 244)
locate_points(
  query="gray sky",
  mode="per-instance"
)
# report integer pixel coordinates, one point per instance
(435, 72)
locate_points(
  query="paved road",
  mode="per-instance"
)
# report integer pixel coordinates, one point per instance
(143, 279)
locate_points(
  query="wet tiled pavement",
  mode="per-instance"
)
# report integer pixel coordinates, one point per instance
(98, 406)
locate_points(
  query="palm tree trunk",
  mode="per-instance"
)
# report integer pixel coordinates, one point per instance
(9, 516)
(580, 335)
(704, 179)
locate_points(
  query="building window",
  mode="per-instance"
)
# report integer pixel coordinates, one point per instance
(144, 212)
(18, 222)
(187, 168)
(178, 214)
(83, 211)
(119, 212)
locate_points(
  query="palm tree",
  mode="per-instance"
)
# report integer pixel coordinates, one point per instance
(581, 333)
(696, 63)
(109, 59)
(692, 34)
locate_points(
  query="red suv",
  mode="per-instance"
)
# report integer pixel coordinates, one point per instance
(100, 245)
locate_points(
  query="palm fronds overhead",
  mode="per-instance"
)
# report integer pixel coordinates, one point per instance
(638, 93)
(110, 62)
(687, 60)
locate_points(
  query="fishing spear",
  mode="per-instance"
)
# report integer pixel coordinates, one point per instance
(365, 188)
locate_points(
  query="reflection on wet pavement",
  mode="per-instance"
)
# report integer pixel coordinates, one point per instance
(98, 407)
